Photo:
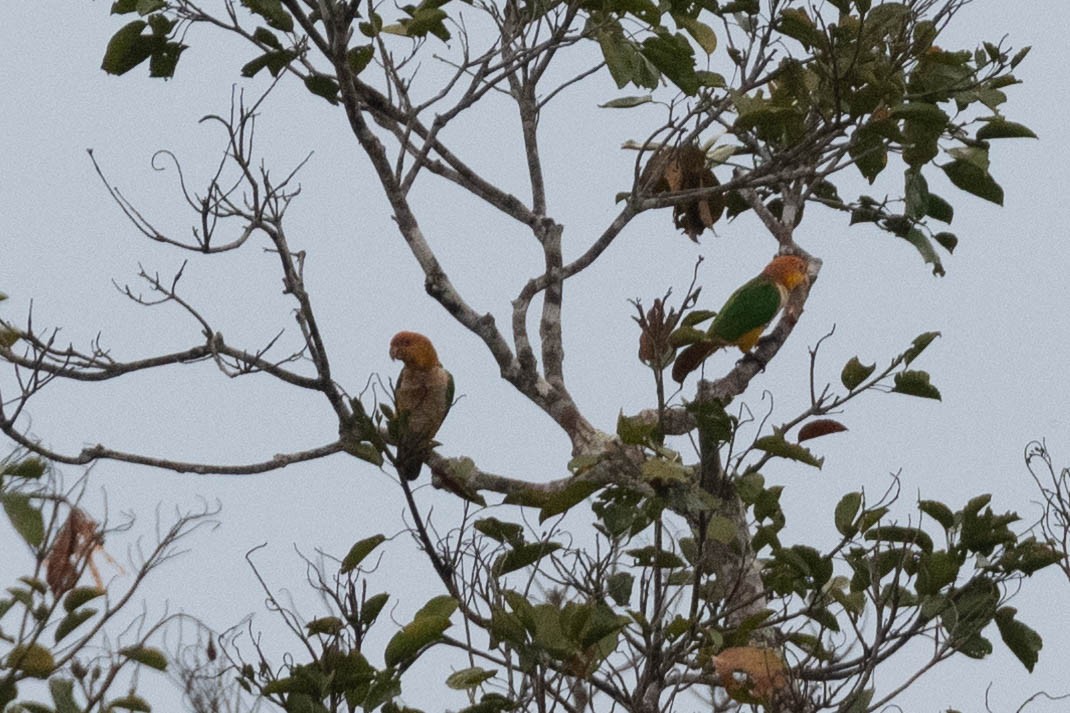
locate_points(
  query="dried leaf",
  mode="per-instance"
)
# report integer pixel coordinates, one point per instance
(75, 544)
(764, 674)
(684, 168)
(820, 427)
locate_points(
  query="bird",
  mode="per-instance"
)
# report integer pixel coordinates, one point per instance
(423, 395)
(746, 313)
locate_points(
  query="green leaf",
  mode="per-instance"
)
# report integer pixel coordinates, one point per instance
(915, 383)
(702, 33)
(523, 556)
(273, 12)
(164, 60)
(939, 209)
(617, 52)
(916, 193)
(329, 625)
(372, 606)
(29, 468)
(972, 179)
(903, 535)
(918, 346)
(359, 57)
(1029, 556)
(62, 690)
(776, 445)
(651, 556)
(635, 431)
(413, 637)
(925, 248)
(627, 102)
(275, 61)
(846, 513)
(854, 373)
(1019, 56)
(721, 529)
(1003, 129)
(322, 86)
(469, 678)
(366, 451)
(441, 606)
(922, 112)
(1023, 641)
(146, 655)
(505, 532)
(128, 48)
(25, 518)
(131, 702)
(72, 621)
(33, 660)
(796, 23)
(661, 472)
(673, 56)
(266, 37)
(563, 500)
(36, 584)
(359, 551)
(619, 587)
(939, 512)
(936, 570)
(869, 152)
(427, 18)
(948, 241)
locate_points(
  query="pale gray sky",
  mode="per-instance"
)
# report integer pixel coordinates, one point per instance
(1000, 364)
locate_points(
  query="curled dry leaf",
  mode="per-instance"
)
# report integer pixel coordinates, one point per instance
(683, 168)
(657, 325)
(820, 427)
(73, 549)
(751, 673)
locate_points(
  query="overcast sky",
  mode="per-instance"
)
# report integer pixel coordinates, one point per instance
(1000, 365)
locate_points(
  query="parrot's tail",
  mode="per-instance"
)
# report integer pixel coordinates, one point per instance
(410, 457)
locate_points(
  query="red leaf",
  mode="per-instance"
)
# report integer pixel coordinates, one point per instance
(820, 427)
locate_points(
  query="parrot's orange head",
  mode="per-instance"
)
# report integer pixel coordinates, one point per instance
(787, 270)
(414, 349)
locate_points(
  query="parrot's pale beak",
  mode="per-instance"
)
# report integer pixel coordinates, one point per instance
(394, 353)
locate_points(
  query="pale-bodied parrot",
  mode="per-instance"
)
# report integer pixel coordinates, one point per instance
(423, 395)
(746, 314)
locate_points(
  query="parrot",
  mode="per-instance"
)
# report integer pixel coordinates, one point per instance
(423, 395)
(746, 313)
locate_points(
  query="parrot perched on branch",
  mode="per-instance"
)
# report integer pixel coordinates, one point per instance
(746, 314)
(423, 395)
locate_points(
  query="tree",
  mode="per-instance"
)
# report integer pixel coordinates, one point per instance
(686, 586)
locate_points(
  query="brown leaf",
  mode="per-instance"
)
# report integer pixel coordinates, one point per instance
(71, 550)
(751, 673)
(683, 168)
(690, 359)
(820, 427)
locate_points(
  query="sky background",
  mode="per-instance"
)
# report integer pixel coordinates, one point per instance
(1000, 364)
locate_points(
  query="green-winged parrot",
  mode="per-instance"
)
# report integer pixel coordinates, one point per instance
(746, 314)
(423, 395)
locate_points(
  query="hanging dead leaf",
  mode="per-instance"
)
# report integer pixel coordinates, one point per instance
(683, 168)
(751, 674)
(820, 427)
(72, 551)
(657, 325)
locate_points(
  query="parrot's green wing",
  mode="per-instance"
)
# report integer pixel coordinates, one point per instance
(449, 394)
(750, 307)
